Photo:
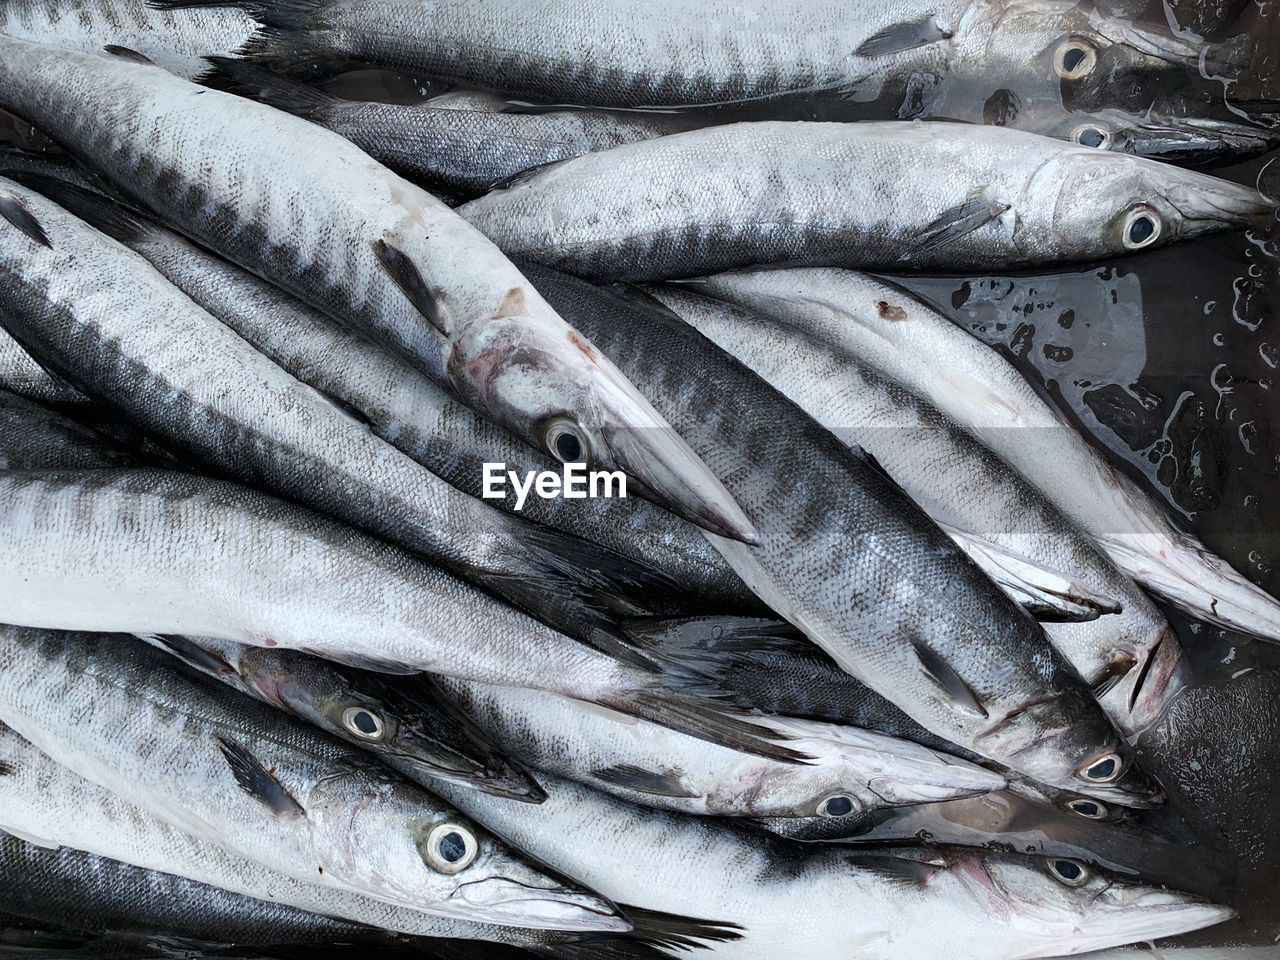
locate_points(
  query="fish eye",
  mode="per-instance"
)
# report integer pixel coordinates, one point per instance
(1074, 58)
(450, 848)
(1071, 872)
(1091, 135)
(568, 442)
(838, 805)
(1141, 228)
(1088, 808)
(1104, 769)
(363, 723)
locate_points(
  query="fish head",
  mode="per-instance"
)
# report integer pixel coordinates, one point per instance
(548, 384)
(1075, 50)
(1186, 141)
(392, 840)
(1066, 741)
(1093, 204)
(854, 771)
(1055, 905)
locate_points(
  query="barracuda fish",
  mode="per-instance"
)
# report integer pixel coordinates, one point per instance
(365, 246)
(177, 40)
(411, 726)
(103, 317)
(70, 888)
(631, 53)
(991, 906)
(1128, 657)
(49, 805)
(852, 771)
(149, 551)
(848, 558)
(33, 437)
(852, 195)
(406, 408)
(979, 389)
(461, 148)
(267, 787)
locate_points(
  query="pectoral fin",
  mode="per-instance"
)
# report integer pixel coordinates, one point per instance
(257, 781)
(899, 37)
(13, 210)
(977, 211)
(657, 783)
(406, 276)
(948, 681)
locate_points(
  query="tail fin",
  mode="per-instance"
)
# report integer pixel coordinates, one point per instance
(654, 935)
(705, 719)
(274, 89)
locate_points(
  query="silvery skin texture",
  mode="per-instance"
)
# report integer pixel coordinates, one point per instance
(305, 208)
(979, 389)
(825, 903)
(921, 195)
(119, 713)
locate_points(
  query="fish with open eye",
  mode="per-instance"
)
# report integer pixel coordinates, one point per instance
(49, 805)
(305, 208)
(266, 786)
(979, 389)
(893, 196)
(631, 53)
(847, 557)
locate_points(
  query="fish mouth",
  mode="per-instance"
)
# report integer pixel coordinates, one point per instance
(1156, 48)
(1197, 139)
(948, 782)
(510, 903)
(1134, 914)
(1210, 202)
(671, 474)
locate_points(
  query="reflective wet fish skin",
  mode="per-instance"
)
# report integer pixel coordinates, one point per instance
(51, 805)
(70, 888)
(177, 40)
(993, 906)
(361, 243)
(979, 389)
(892, 195)
(629, 53)
(415, 414)
(104, 318)
(149, 551)
(34, 437)
(460, 150)
(848, 558)
(410, 725)
(1128, 658)
(265, 786)
(21, 375)
(851, 772)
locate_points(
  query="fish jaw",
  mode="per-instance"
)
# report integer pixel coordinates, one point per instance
(1208, 203)
(511, 903)
(532, 371)
(1193, 140)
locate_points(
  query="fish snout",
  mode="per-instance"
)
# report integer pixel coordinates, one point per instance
(511, 903)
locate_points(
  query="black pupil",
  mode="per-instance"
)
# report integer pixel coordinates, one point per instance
(1072, 59)
(365, 723)
(839, 806)
(453, 847)
(1141, 229)
(1086, 808)
(1092, 137)
(1103, 769)
(568, 448)
(1068, 870)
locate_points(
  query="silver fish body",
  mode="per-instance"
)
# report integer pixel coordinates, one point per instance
(850, 771)
(802, 897)
(33, 437)
(631, 53)
(266, 787)
(22, 375)
(410, 725)
(105, 318)
(1127, 657)
(149, 551)
(979, 389)
(849, 559)
(893, 195)
(296, 203)
(177, 40)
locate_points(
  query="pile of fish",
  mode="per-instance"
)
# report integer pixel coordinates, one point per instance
(487, 527)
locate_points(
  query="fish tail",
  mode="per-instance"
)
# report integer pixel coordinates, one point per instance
(654, 934)
(705, 719)
(272, 88)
